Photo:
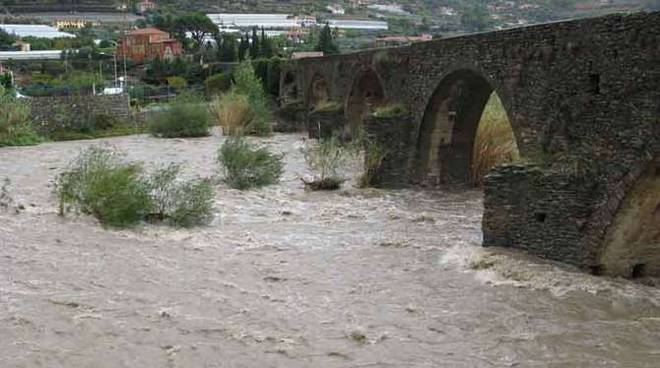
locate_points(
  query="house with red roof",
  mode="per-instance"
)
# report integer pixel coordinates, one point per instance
(146, 44)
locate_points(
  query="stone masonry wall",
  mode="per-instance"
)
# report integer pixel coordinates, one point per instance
(73, 112)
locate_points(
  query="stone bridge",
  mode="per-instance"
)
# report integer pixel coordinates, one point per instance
(583, 100)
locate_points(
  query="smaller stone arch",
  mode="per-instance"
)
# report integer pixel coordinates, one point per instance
(319, 91)
(365, 94)
(289, 88)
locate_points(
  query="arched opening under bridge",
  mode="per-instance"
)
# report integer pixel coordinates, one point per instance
(366, 93)
(465, 132)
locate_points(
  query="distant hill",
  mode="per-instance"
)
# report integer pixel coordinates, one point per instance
(441, 15)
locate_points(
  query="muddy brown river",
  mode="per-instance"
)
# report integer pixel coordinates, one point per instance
(288, 278)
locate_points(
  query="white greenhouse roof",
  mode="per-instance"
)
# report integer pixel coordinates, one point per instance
(34, 30)
(358, 24)
(254, 20)
(31, 55)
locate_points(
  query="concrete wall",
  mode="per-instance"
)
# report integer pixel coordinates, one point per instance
(583, 99)
(76, 111)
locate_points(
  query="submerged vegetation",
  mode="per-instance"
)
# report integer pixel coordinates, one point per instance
(495, 143)
(180, 203)
(246, 167)
(100, 183)
(324, 158)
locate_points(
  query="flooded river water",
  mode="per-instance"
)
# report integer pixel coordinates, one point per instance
(288, 278)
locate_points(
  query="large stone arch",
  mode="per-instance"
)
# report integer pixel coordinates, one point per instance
(366, 92)
(631, 247)
(443, 153)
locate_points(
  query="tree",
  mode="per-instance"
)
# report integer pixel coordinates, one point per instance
(326, 42)
(198, 25)
(475, 18)
(266, 46)
(243, 47)
(226, 47)
(6, 40)
(254, 44)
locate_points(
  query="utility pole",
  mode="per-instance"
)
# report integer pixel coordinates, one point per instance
(125, 88)
(115, 60)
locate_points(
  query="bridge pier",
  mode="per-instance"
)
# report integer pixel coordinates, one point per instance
(388, 147)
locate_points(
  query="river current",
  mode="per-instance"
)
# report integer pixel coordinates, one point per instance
(288, 278)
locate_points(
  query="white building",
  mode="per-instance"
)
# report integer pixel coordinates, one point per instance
(336, 9)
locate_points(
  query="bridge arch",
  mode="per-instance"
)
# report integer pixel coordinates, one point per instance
(366, 92)
(288, 87)
(446, 136)
(632, 243)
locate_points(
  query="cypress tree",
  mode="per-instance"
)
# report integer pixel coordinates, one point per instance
(326, 43)
(254, 46)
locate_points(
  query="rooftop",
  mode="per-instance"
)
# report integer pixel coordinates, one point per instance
(147, 31)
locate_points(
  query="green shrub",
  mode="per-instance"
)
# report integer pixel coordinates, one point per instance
(180, 203)
(324, 159)
(100, 184)
(177, 82)
(15, 125)
(217, 83)
(185, 118)
(245, 167)
(390, 111)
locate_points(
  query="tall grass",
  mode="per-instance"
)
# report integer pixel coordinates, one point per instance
(235, 115)
(495, 143)
(245, 108)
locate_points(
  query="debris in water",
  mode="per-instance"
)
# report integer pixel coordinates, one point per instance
(424, 218)
(395, 244)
